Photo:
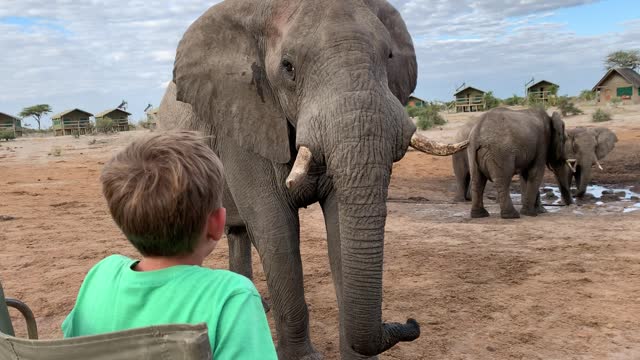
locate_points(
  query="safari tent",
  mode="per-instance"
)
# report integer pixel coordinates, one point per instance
(542, 91)
(71, 121)
(415, 101)
(119, 117)
(10, 123)
(469, 99)
(621, 82)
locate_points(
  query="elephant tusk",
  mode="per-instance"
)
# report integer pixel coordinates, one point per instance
(598, 165)
(570, 163)
(300, 167)
(428, 146)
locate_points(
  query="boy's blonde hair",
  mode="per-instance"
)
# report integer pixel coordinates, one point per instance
(160, 190)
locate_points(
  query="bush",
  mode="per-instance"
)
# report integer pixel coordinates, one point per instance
(616, 101)
(587, 95)
(534, 102)
(491, 101)
(601, 116)
(567, 107)
(7, 135)
(104, 125)
(514, 100)
(428, 115)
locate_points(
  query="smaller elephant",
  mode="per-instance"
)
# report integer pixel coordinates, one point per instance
(506, 142)
(461, 163)
(584, 148)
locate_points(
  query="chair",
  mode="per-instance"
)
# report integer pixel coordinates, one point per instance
(181, 342)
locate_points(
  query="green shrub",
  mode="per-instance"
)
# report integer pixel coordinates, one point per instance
(514, 100)
(534, 102)
(7, 135)
(428, 115)
(600, 116)
(587, 95)
(490, 101)
(104, 125)
(567, 107)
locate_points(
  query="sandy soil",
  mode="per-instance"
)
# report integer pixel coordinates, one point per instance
(565, 285)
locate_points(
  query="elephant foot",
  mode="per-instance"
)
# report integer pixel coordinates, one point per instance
(479, 213)
(511, 214)
(282, 355)
(528, 212)
(541, 210)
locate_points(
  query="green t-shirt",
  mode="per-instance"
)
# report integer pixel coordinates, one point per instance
(114, 297)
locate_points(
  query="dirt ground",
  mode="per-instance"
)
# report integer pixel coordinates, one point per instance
(564, 285)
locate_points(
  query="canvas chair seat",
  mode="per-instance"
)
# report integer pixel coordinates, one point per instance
(179, 342)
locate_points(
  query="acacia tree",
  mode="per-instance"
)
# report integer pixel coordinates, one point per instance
(621, 58)
(36, 111)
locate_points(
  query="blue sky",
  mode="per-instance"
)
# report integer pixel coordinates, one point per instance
(93, 54)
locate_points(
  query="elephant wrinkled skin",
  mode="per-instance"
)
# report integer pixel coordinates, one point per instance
(266, 78)
(585, 147)
(507, 142)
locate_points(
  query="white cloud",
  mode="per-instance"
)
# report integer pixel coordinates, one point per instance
(94, 53)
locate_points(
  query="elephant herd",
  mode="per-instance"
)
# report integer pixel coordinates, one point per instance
(505, 142)
(303, 103)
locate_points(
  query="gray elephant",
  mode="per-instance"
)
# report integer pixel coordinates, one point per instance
(584, 148)
(505, 142)
(323, 83)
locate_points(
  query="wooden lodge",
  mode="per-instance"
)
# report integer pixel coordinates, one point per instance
(415, 101)
(119, 118)
(72, 121)
(542, 91)
(621, 82)
(469, 99)
(10, 123)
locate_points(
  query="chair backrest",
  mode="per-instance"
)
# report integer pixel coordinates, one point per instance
(181, 342)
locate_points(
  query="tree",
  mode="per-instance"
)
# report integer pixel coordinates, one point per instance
(621, 58)
(36, 111)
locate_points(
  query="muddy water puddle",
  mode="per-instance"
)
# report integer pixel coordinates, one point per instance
(600, 198)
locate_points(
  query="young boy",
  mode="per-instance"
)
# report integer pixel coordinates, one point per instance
(164, 191)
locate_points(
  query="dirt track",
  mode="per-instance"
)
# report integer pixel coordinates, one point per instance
(564, 285)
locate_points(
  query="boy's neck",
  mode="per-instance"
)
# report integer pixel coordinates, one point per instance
(158, 263)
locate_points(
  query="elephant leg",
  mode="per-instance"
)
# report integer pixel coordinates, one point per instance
(478, 183)
(330, 211)
(240, 255)
(271, 220)
(502, 180)
(531, 203)
(239, 251)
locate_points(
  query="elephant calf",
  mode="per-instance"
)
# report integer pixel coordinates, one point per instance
(584, 147)
(507, 142)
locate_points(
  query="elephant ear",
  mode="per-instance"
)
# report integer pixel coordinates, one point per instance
(557, 138)
(606, 141)
(219, 70)
(402, 69)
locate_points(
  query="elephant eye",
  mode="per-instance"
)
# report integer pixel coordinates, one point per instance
(390, 55)
(289, 68)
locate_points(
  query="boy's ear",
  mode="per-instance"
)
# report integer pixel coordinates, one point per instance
(215, 223)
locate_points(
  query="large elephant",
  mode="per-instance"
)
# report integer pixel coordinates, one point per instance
(505, 142)
(324, 83)
(584, 148)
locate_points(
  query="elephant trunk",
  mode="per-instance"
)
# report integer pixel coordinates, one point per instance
(583, 176)
(564, 174)
(361, 179)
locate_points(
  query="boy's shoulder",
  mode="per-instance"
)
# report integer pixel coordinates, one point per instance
(233, 282)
